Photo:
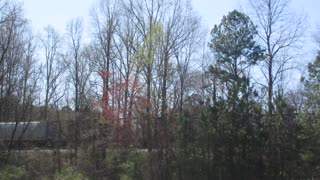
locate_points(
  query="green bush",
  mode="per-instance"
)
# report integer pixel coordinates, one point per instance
(13, 173)
(131, 166)
(69, 174)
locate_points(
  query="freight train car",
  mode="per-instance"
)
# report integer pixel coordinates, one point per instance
(28, 134)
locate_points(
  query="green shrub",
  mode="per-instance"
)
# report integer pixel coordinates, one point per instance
(69, 174)
(13, 173)
(131, 166)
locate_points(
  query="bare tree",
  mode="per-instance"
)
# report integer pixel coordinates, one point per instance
(129, 70)
(12, 28)
(280, 32)
(74, 35)
(80, 64)
(186, 57)
(53, 67)
(18, 70)
(105, 18)
(146, 17)
(25, 90)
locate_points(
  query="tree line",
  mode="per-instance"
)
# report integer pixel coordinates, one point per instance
(174, 104)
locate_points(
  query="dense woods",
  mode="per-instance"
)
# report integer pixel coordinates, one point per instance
(148, 93)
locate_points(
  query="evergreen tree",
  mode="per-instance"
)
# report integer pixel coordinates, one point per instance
(231, 114)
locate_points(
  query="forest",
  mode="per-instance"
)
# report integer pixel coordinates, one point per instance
(148, 93)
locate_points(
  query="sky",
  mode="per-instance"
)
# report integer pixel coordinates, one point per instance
(57, 13)
(213, 10)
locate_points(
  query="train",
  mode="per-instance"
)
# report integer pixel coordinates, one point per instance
(55, 134)
(29, 134)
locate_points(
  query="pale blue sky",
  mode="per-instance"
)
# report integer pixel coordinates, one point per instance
(55, 12)
(213, 10)
(58, 12)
